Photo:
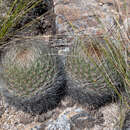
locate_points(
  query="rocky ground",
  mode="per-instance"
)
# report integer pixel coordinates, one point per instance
(80, 17)
(69, 115)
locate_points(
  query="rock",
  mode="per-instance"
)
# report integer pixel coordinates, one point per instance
(2, 108)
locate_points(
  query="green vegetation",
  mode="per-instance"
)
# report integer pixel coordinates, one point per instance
(16, 12)
(28, 64)
(28, 67)
(101, 63)
(95, 62)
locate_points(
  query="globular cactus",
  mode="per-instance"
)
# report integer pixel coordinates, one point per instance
(94, 78)
(30, 69)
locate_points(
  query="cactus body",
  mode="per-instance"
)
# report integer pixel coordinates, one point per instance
(92, 84)
(30, 69)
(27, 68)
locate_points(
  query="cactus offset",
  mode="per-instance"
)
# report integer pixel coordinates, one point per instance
(28, 67)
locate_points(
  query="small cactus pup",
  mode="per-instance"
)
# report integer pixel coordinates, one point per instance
(33, 75)
(93, 78)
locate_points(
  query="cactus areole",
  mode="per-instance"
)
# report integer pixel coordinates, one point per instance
(31, 68)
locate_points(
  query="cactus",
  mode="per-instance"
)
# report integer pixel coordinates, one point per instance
(31, 68)
(27, 67)
(94, 78)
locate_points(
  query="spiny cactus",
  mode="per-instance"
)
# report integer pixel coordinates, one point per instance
(31, 68)
(27, 67)
(95, 77)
